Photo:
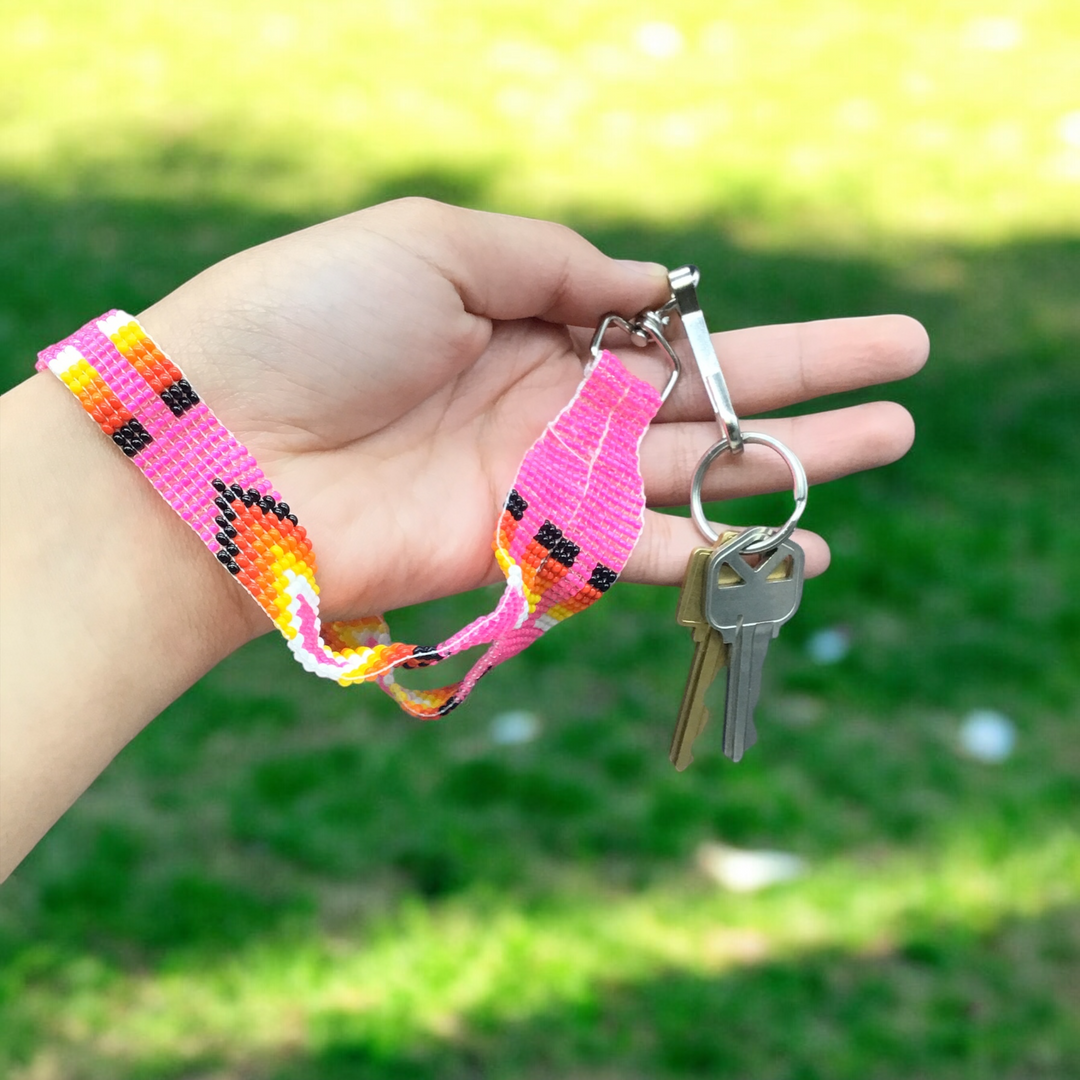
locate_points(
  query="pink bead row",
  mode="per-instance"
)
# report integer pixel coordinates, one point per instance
(581, 483)
(188, 451)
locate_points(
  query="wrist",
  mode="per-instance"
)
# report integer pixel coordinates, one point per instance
(112, 608)
(108, 557)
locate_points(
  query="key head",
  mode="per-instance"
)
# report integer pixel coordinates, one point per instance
(691, 609)
(738, 595)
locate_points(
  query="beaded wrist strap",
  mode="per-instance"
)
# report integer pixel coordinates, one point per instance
(567, 527)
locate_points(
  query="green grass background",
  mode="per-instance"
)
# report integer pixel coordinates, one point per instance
(282, 880)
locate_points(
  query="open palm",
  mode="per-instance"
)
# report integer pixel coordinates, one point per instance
(390, 368)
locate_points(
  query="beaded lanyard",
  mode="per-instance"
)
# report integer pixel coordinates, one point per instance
(567, 527)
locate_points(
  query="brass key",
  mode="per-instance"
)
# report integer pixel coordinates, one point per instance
(710, 655)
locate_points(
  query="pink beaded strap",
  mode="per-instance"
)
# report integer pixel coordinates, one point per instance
(567, 527)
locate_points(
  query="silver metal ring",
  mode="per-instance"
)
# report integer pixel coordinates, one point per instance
(640, 331)
(798, 477)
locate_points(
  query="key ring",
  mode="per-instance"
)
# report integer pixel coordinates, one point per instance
(798, 476)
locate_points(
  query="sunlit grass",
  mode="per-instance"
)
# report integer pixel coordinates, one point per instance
(433, 972)
(839, 117)
(284, 881)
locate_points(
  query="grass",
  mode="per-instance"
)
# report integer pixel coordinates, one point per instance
(281, 880)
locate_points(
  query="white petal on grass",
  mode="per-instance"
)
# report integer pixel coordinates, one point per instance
(515, 727)
(279, 31)
(829, 646)
(659, 40)
(1068, 129)
(858, 114)
(987, 735)
(748, 871)
(993, 33)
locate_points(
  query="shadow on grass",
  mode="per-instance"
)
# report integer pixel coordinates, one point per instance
(946, 1004)
(955, 570)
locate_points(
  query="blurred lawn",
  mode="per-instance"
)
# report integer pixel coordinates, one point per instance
(281, 880)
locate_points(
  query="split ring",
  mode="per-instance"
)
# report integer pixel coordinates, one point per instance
(773, 537)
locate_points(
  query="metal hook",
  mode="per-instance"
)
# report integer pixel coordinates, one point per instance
(649, 324)
(684, 282)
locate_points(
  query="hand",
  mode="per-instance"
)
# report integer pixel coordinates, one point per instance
(390, 368)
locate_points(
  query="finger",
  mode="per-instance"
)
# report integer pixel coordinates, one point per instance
(507, 267)
(829, 445)
(770, 367)
(666, 542)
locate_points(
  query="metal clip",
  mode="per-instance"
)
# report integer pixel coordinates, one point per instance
(684, 282)
(649, 324)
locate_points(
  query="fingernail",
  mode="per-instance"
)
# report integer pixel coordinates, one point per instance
(649, 269)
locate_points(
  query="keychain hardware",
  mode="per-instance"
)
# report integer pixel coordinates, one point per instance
(733, 609)
(652, 324)
(773, 537)
(649, 324)
(684, 282)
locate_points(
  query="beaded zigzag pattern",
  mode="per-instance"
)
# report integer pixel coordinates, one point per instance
(565, 532)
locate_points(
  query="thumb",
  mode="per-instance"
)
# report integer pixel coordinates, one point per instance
(507, 267)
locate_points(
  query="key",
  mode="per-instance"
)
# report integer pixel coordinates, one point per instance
(747, 606)
(710, 653)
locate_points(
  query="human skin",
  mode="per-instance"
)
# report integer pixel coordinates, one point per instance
(388, 370)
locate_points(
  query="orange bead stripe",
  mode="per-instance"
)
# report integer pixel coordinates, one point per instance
(563, 522)
(147, 359)
(95, 396)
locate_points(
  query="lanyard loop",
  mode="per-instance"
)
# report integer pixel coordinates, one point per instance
(649, 324)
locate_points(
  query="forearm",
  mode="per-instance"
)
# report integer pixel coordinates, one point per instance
(110, 608)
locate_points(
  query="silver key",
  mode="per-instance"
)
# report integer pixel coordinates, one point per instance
(748, 605)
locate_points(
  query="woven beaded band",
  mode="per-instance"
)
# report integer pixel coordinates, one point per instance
(567, 526)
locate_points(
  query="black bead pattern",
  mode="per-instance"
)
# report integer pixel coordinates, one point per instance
(516, 505)
(548, 535)
(132, 437)
(603, 577)
(179, 397)
(565, 551)
(423, 656)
